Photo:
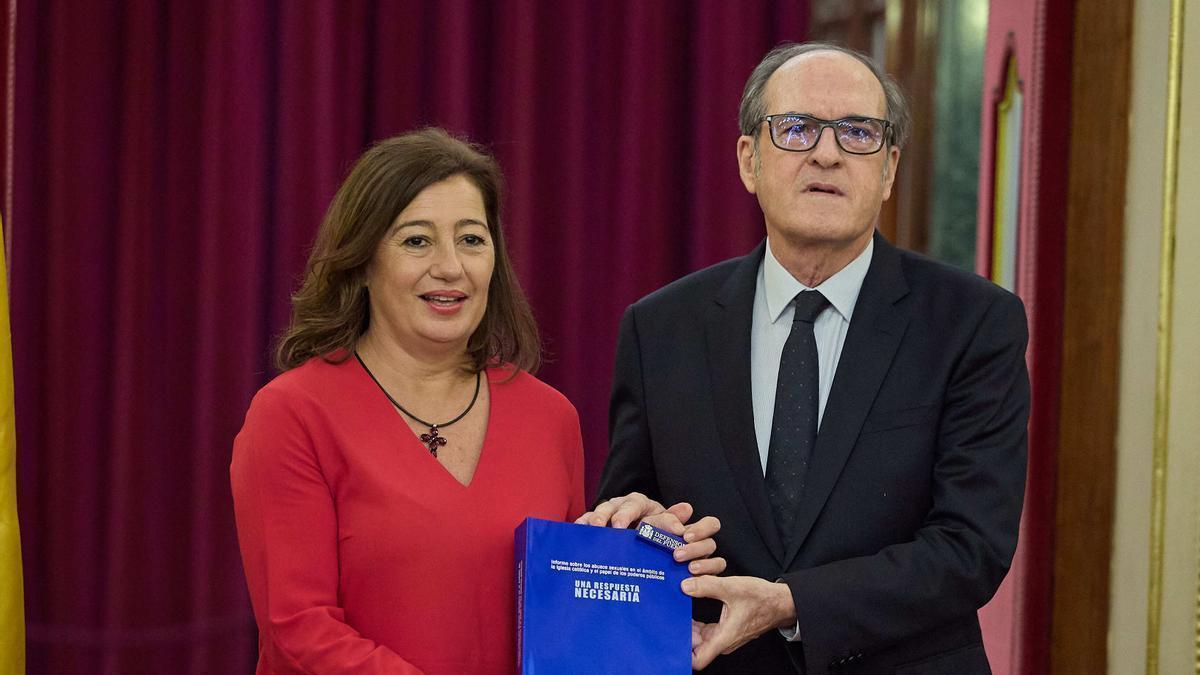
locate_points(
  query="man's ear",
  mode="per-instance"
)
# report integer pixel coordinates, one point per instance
(747, 147)
(889, 171)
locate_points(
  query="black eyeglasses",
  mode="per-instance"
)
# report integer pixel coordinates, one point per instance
(801, 133)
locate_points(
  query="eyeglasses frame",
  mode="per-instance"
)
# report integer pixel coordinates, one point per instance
(884, 142)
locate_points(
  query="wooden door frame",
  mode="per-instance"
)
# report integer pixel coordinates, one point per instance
(1095, 228)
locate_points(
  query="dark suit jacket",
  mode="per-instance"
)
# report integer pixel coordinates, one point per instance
(910, 519)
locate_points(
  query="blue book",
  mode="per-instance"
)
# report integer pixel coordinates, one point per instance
(594, 600)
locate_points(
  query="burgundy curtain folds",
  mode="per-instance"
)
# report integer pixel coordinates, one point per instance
(171, 164)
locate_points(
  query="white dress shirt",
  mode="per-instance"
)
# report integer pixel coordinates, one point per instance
(772, 323)
(770, 327)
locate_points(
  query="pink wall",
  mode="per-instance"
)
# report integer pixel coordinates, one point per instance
(1016, 623)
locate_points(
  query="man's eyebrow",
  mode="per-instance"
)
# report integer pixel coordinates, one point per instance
(851, 116)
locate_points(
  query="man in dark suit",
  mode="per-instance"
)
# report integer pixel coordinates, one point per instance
(854, 414)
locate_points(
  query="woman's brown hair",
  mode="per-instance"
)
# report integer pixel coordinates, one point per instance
(331, 311)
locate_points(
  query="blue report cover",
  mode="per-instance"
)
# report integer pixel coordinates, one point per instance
(594, 600)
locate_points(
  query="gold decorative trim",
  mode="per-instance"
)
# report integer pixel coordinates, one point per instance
(1006, 178)
(1196, 642)
(1162, 374)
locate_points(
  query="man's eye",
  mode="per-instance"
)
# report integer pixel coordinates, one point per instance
(795, 130)
(798, 127)
(857, 131)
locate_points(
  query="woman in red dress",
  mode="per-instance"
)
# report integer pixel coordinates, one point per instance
(378, 479)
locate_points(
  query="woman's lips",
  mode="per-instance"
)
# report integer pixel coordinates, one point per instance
(444, 303)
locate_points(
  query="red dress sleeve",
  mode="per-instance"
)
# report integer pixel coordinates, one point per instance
(573, 446)
(287, 531)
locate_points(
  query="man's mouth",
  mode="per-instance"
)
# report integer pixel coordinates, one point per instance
(824, 188)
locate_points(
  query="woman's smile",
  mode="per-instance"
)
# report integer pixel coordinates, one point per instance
(446, 303)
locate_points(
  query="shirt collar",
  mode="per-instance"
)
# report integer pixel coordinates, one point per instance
(841, 289)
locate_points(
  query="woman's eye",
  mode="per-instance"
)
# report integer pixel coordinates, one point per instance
(473, 240)
(415, 241)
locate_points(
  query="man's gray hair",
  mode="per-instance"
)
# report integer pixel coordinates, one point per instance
(754, 108)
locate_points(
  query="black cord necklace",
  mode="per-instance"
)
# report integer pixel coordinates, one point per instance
(432, 439)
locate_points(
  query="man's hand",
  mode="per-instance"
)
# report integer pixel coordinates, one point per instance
(635, 507)
(751, 607)
(621, 512)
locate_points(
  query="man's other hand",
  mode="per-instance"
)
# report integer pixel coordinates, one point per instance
(750, 607)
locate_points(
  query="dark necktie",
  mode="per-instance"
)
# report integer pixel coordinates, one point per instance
(794, 425)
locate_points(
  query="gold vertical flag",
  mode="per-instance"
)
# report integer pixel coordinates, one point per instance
(12, 592)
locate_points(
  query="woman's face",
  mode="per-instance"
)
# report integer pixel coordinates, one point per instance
(428, 282)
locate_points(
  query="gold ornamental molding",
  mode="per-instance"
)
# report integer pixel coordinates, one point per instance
(1162, 375)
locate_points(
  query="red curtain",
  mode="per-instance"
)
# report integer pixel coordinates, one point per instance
(171, 164)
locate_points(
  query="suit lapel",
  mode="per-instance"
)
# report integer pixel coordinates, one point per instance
(727, 333)
(871, 342)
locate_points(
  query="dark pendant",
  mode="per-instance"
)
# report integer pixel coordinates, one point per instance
(433, 440)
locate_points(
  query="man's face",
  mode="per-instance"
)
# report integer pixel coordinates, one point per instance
(824, 196)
